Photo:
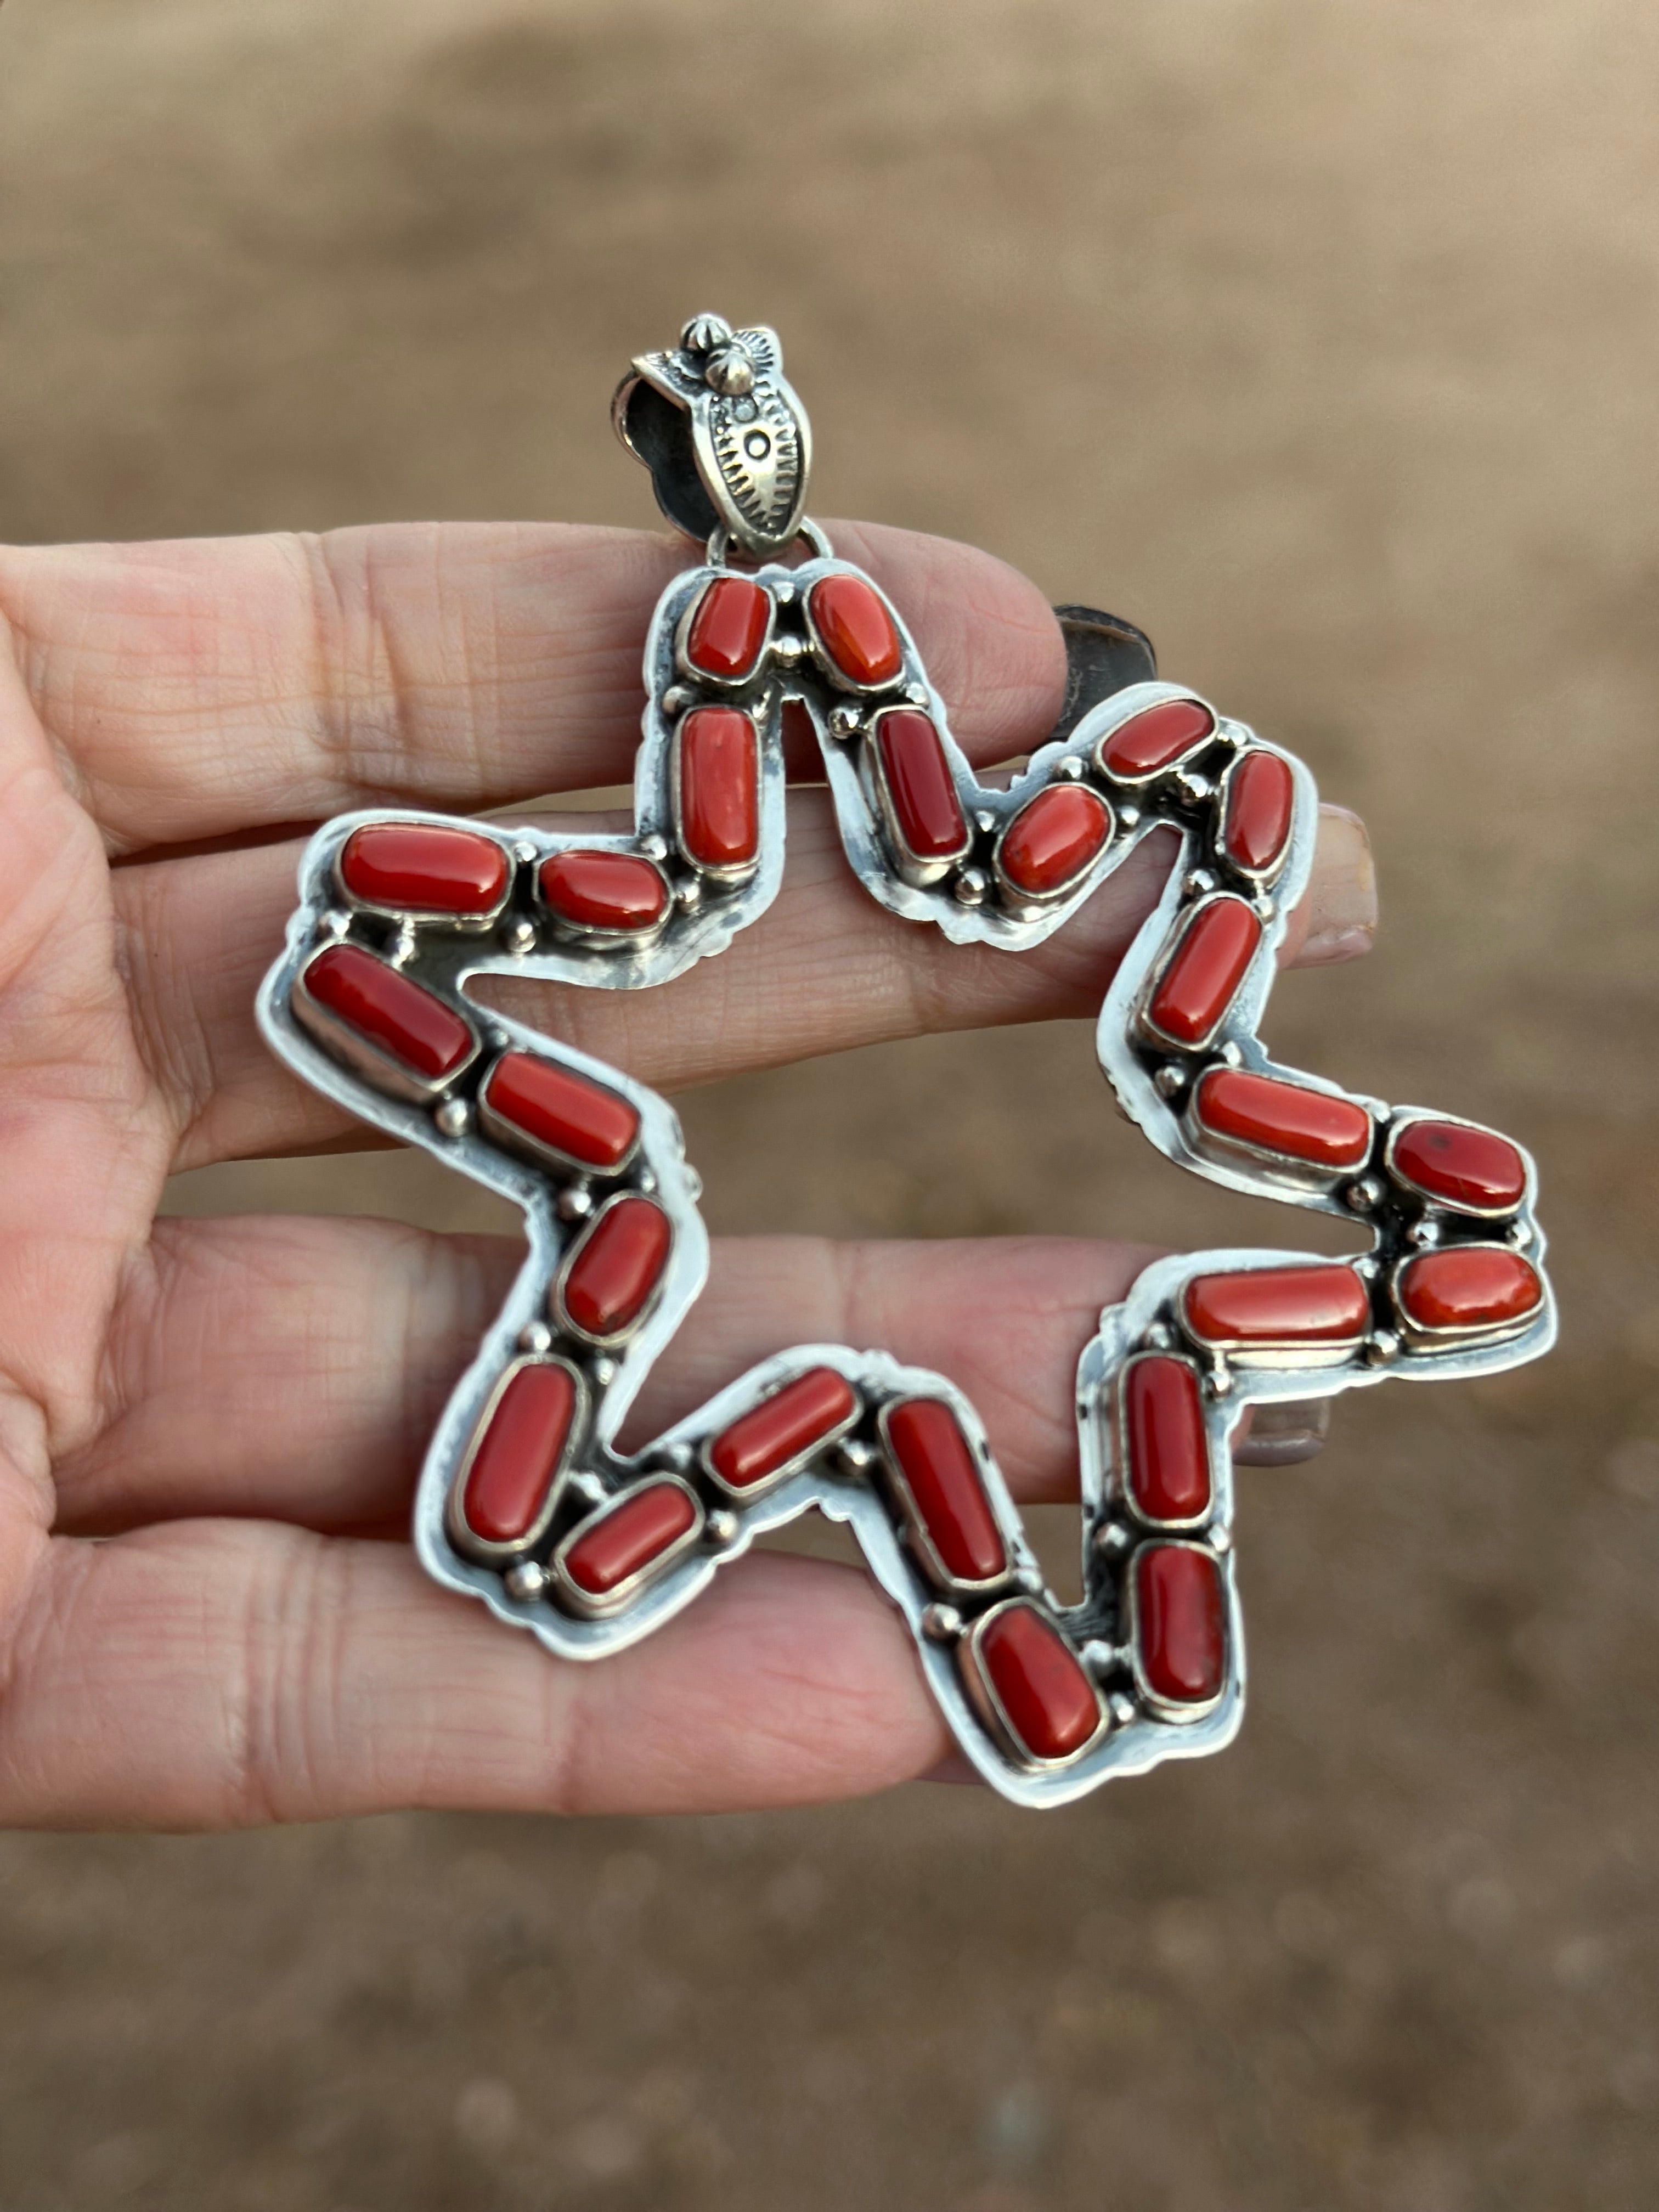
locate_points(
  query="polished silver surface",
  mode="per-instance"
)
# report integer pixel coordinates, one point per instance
(846, 1469)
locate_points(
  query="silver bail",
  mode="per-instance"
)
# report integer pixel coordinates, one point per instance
(727, 442)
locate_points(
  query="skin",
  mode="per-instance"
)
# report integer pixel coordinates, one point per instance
(210, 1431)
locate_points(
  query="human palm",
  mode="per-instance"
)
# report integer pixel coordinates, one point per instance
(210, 1430)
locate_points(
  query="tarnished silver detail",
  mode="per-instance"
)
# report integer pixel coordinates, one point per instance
(726, 441)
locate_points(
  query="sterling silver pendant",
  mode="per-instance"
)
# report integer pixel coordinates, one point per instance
(524, 1502)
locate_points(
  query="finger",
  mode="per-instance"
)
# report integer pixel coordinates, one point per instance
(220, 1673)
(292, 1369)
(204, 687)
(826, 969)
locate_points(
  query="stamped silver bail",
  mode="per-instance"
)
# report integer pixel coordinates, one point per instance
(727, 442)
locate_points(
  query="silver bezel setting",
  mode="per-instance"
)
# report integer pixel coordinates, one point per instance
(791, 1467)
(622, 1594)
(732, 686)
(982, 1692)
(1411, 1118)
(736, 871)
(1184, 1712)
(916, 1532)
(432, 917)
(516, 1139)
(353, 1049)
(557, 1310)
(1420, 1336)
(1122, 1458)
(914, 867)
(465, 1538)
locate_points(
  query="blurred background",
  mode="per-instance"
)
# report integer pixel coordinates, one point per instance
(1320, 340)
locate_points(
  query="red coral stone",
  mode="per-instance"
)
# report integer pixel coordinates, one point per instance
(729, 628)
(1050, 1704)
(1049, 843)
(1261, 800)
(400, 1016)
(517, 1457)
(1155, 738)
(1168, 1475)
(938, 1466)
(851, 619)
(1286, 1118)
(922, 793)
(1323, 1302)
(1208, 965)
(1180, 1623)
(1469, 1286)
(1475, 1170)
(416, 867)
(624, 1541)
(605, 891)
(719, 756)
(566, 1112)
(781, 1428)
(618, 1265)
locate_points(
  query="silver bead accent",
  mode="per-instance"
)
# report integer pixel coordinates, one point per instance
(917, 695)
(1230, 1053)
(1122, 1710)
(1169, 1078)
(784, 593)
(689, 894)
(855, 1455)
(1423, 1234)
(536, 1336)
(1070, 771)
(519, 936)
(1190, 787)
(1112, 1539)
(576, 1203)
(525, 1580)
(1382, 1348)
(334, 923)
(603, 1371)
(524, 852)
(968, 887)
(1221, 1540)
(722, 1529)
(730, 371)
(588, 1488)
(1129, 817)
(1200, 881)
(789, 651)
(676, 699)
(845, 723)
(453, 1118)
(1363, 1195)
(654, 846)
(940, 1624)
(984, 820)
(403, 947)
(1101, 1658)
(704, 333)
(1158, 1337)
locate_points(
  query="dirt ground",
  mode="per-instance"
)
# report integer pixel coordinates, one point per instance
(1320, 339)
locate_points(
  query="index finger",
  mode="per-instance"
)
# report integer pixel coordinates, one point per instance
(204, 687)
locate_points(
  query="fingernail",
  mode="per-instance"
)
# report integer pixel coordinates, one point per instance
(1342, 895)
(1283, 1433)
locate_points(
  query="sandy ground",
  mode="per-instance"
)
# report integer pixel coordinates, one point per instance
(1320, 340)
